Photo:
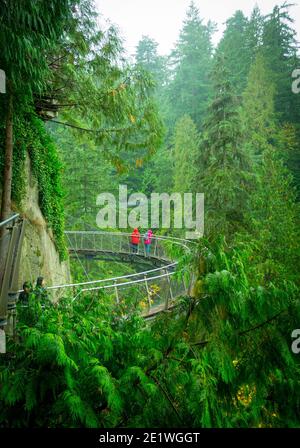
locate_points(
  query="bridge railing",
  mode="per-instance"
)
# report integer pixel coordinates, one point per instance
(152, 290)
(11, 220)
(11, 237)
(117, 242)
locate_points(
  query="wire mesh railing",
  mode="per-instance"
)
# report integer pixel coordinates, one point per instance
(11, 237)
(117, 242)
(153, 290)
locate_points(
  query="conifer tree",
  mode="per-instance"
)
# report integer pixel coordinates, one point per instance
(254, 32)
(273, 215)
(259, 120)
(290, 152)
(224, 166)
(234, 46)
(280, 50)
(186, 147)
(148, 58)
(274, 220)
(191, 61)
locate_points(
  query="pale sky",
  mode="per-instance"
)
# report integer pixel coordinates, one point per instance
(162, 19)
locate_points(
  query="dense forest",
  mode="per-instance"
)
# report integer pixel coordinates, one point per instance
(222, 120)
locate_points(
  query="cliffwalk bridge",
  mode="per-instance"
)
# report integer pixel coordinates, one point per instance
(155, 287)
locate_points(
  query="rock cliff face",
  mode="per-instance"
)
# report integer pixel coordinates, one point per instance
(39, 256)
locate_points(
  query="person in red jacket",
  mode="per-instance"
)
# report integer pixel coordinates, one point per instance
(135, 240)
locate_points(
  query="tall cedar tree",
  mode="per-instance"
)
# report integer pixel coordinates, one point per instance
(280, 50)
(224, 166)
(190, 89)
(290, 152)
(254, 32)
(273, 215)
(148, 178)
(186, 148)
(148, 58)
(259, 119)
(234, 46)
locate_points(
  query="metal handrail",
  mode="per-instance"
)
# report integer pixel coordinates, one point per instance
(111, 244)
(102, 232)
(177, 241)
(111, 279)
(118, 285)
(8, 220)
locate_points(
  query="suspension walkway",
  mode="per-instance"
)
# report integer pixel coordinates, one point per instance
(155, 289)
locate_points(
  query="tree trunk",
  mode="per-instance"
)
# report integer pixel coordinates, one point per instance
(8, 161)
(6, 185)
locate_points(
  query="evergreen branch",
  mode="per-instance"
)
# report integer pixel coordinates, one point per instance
(157, 364)
(54, 106)
(242, 333)
(91, 303)
(100, 131)
(51, 63)
(201, 343)
(262, 324)
(168, 398)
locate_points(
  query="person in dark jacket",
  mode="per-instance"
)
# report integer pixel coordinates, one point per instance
(24, 295)
(41, 292)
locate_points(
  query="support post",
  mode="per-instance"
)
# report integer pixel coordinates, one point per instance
(155, 247)
(148, 292)
(170, 290)
(7, 274)
(117, 293)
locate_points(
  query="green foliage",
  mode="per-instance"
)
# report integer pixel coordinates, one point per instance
(148, 59)
(225, 168)
(258, 113)
(32, 138)
(105, 99)
(113, 124)
(221, 359)
(289, 141)
(19, 156)
(234, 46)
(186, 148)
(245, 332)
(28, 31)
(272, 214)
(86, 173)
(274, 220)
(280, 50)
(47, 168)
(190, 88)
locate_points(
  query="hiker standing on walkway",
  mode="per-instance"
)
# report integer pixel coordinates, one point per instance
(40, 292)
(135, 240)
(147, 241)
(24, 295)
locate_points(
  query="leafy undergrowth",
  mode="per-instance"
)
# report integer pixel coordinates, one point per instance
(221, 359)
